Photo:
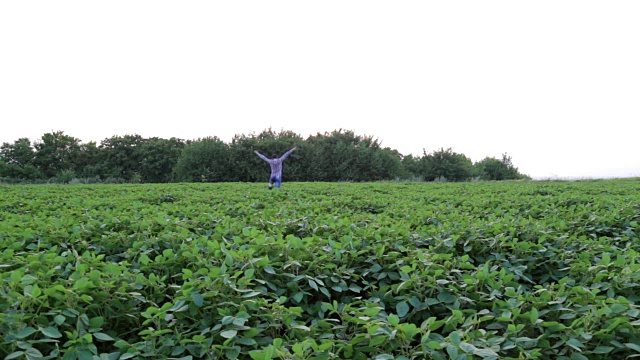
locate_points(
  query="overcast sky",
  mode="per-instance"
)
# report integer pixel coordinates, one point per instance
(555, 84)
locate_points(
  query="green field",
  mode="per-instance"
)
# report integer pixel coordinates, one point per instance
(508, 270)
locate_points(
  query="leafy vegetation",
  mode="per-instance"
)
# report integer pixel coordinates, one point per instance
(487, 270)
(333, 156)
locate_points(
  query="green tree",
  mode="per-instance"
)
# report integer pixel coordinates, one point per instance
(447, 164)
(339, 155)
(120, 156)
(386, 164)
(344, 156)
(158, 159)
(19, 153)
(17, 161)
(247, 166)
(411, 167)
(491, 168)
(87, 161)
(205, 159)
(55, 152)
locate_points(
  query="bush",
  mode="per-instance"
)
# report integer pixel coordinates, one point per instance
(445, 165)
(65, 176)
(493, 169)
(113, 180)
(204, 160)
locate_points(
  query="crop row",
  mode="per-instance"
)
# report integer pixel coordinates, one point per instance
(321, 271)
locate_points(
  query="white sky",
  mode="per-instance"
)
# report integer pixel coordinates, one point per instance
(555, 84)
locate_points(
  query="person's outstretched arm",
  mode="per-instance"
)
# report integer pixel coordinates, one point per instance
(284, 156)
(261, 156)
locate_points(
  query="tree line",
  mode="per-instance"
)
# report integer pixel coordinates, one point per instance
(340, 155)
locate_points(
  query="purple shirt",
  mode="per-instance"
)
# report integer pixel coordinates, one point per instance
(276, 164)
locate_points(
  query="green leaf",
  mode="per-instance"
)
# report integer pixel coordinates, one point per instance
(229, 334)
(33, 352)
(393, 320)
(25, 333)
(178, 305)
(415, 302)
(409, 329)
(575, 343)
(455, 339)
(233, 353)
(127, 355)
(103, 336)
(59, 319)
(434, 345)
(35, 291)
(618, 308)
(198, 300)
(452, 351)
(468, 348)
(533, 315)
(121, 344)
(446, 297)
(245, 341)
(313, 285)
(70, 313)
(85, 355)
(28, 279)
(144, 259)
(269, 270)
(486, 353)
(432, 301)
(251, 294)
(377, 340)
(384, 357)
(578, 356)
(83, 321)
(603, 349)
(51, 332)
(268, 352)
(371, 311)
(96, 322)
(635, 347)
(300, 327)
(402, 308)
(14, 355)
(178, 350)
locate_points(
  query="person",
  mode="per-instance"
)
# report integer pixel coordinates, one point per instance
(276, 168)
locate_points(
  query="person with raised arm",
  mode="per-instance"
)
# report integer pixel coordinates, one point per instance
(276, 168)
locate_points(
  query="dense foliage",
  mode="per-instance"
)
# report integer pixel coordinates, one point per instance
(485, 270)
(335, 156)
